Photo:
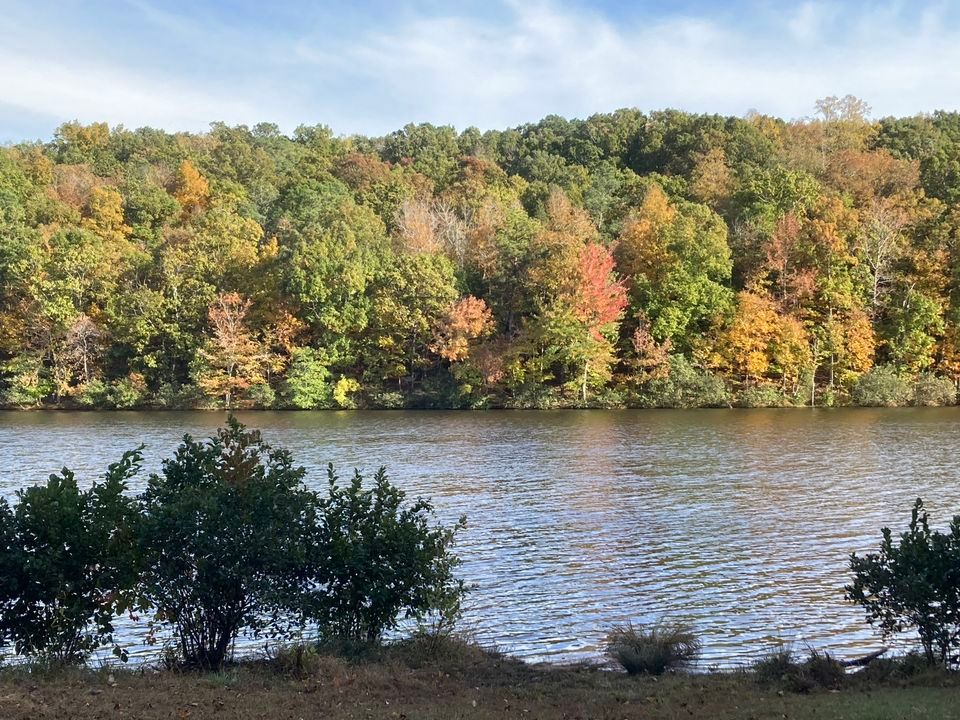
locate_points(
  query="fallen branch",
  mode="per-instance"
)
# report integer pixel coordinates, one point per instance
(861, 661)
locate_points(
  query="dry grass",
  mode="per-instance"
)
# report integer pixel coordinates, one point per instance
(818, 671)
(463, 681)
(775, 664)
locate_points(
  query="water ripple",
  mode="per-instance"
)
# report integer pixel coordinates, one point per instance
(739, 522)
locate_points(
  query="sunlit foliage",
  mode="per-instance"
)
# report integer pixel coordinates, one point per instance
(564, 262)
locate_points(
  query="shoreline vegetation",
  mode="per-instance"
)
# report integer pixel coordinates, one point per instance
(631, 259)
(451, 678)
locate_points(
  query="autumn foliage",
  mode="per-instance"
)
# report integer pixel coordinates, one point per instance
(464, 322)
(599, 297)
(232, 360)
(627, 259)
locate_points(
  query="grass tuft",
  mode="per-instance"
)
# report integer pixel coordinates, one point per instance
(653, 649)
(297, 660)
(776, 664)
(824, 670)
(819, 670)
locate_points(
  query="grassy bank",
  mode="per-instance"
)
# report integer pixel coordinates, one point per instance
(461, 681)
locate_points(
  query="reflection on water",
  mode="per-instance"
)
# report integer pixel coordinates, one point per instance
(738, 521)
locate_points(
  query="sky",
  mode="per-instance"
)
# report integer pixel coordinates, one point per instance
(370, 67)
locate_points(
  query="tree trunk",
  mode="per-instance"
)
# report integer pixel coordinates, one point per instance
(583, 387)
(830, 310)
(220, 651)
(813, 376)
(228, 395)
(86, 368)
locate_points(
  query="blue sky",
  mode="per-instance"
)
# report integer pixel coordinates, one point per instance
(370, 66)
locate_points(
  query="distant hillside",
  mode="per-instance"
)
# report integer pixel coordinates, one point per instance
(661, 259)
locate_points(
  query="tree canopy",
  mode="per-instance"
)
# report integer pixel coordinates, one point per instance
(563, 262)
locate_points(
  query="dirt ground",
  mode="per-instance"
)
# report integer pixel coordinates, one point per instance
(473, 685)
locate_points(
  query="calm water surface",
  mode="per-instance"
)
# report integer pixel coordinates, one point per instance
(738, 521)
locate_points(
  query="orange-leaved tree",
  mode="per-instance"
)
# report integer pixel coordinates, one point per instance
(232, 360)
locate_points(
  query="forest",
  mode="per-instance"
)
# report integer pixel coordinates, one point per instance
(631, 259)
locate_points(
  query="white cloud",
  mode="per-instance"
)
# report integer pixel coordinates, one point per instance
(515, 62)
(90, 92)
(59, 71)
(544, 57)
(810, 20)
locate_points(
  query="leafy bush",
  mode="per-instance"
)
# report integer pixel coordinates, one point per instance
(122, 394)
(127, 392)
(177, 396)
(382, 560)
(685, 387)
(26, 382)
(262, 395)
(225, 540)
(67, 565)
(654, 649)
(533, 396)
(882, 387)
(225, 543)
(95, 393)
(933, 391)
(761, 396)
(914, 583)
(307, 386)
(389, 400)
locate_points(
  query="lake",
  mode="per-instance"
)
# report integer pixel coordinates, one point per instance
(737, 521)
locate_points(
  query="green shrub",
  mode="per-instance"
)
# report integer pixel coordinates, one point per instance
(653, 649)
(933, 391)
(225, 540)
(66, 564)
(26, 380)
(94, 394)
(388, 400)
(607, 397)
(307, 386)
(685, 387)
(296, 659)
(178, 396)
(437, 393)
(127, 392)
(534, 396)
(914, 584)
(262, 395)
(761, 396)
(120, 394)
(382, 560)
(882, 387)
(225, 543)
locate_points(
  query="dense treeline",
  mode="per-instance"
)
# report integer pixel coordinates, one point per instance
(626, 259)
